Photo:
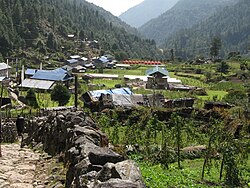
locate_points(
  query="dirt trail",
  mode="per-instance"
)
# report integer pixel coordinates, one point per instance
(24, 168)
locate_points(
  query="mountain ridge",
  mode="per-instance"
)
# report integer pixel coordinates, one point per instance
(231, 25)
(143, 12)
(184, 14)
(44, 26)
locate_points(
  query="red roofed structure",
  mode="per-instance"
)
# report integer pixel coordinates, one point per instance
(139, 62)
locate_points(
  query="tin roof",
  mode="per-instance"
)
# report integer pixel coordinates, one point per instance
(122, 91)
(59, 74)
(4, 66)
(157, 69)
(37, 84)
(30, 71)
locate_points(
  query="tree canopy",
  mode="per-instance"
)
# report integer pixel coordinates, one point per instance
(61, 94)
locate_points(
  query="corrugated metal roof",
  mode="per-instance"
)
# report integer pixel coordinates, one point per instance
(157, 69)
(30, 71)
(75, 57)
(54, 75)
(102, 75)
(37, 84)
(71, 61)
(122, 91)
(4, 66)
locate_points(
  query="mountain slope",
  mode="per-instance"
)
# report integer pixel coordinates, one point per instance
(230, 24)
(184, 14)
(145, 11)
(44, 25)
(111, 18)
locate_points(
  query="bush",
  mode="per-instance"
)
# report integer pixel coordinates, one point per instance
(61, 94)
(236, 97)
(31, 98)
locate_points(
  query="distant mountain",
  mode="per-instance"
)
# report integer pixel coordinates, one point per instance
(111, 18)
(231, 25)
(45, 26)
(145, 11)
(184, 14)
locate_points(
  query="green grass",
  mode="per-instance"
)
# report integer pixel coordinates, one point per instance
(156, 176)
(107, 82)
(212, 94)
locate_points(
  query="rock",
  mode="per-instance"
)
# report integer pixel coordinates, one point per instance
(88, 131)
(116, 183)
(85, 180)
(129, 170)
(104, 155)
(108, 171)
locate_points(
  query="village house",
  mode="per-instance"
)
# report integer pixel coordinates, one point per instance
(157, 78)
(101, 62)
(45, 79)
(4, 69)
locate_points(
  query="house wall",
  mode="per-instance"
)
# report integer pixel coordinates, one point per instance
(157, 82)
(3, 72)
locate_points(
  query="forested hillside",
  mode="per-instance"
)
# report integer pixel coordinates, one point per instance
(44, 25)
(231, 25)
(145, 11)
(184, 14)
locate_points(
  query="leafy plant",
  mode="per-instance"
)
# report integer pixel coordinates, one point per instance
(31, 98)
(61, 94)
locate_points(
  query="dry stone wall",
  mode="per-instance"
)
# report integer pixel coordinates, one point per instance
(89, 160)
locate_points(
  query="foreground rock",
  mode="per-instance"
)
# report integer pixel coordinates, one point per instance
(84, 150)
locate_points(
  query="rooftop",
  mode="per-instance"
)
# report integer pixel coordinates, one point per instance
(157, 69)
(59, 74)
(4, 66)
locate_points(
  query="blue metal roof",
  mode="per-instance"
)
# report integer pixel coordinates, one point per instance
(121, 91)
(157, 69)
(53, 75)
(30, 71)
(103, 59)
(71, 61)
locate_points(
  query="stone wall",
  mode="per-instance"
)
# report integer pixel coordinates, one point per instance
(9, 133)
(89, 160)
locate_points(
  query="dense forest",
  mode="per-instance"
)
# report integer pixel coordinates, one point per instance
(185, 14)
(43, 25)
(231, 25)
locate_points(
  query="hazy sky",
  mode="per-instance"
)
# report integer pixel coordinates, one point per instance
(116, 7)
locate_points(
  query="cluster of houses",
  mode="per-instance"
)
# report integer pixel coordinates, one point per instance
(156, 78)
(123, 97)
(80, 64)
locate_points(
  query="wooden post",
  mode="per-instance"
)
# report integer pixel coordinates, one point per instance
(1, 119)
(76, 91)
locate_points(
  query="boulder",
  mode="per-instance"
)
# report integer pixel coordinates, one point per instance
(116, 183)
(104, 155)
(108, 171)
(129, 170)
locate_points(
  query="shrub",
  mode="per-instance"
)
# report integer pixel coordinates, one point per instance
(31, 98)
(61, 94)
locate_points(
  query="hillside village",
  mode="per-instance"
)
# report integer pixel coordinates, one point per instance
(89, 101)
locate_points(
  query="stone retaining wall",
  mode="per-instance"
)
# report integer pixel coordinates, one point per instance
(90, 162)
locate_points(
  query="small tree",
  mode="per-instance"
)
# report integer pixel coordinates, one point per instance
(177, 123)
(215, 47)
(223, 67)
(31, 98)
(61, 94)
